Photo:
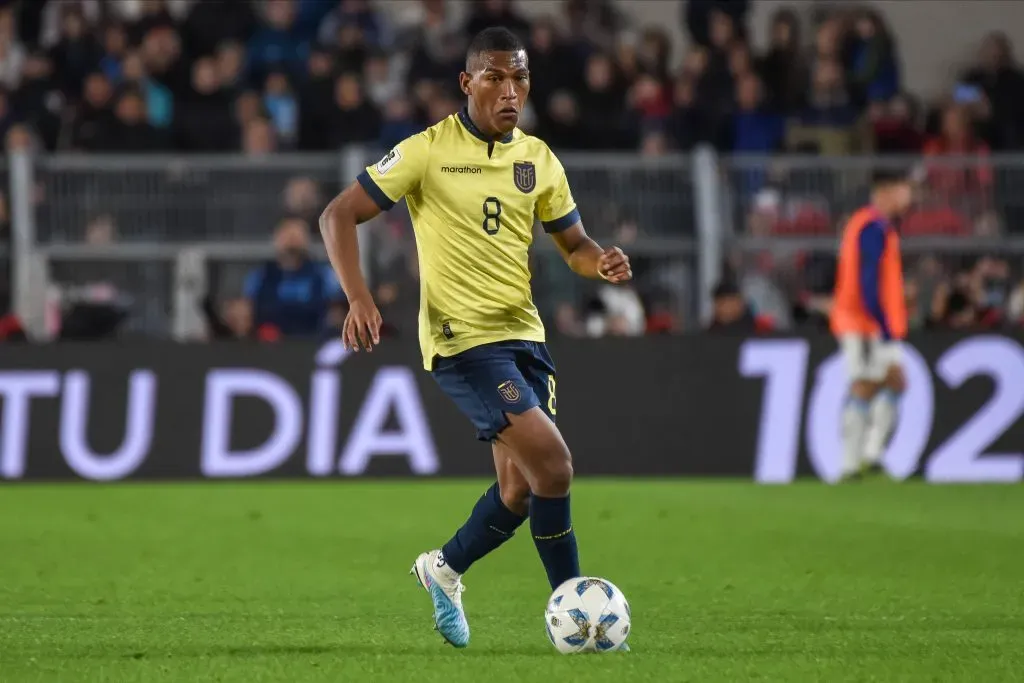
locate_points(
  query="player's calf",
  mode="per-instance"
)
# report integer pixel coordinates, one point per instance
(884, 409)
(856, 421)
(544, 459)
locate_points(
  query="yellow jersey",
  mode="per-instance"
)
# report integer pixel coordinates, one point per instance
(473, 204)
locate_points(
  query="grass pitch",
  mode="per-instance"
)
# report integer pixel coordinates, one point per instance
(307, 582)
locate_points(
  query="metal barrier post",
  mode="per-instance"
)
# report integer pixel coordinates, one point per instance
(707, 193)
(190, 285)
(29, 282)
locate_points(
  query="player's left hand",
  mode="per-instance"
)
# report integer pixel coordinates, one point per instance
(613, 266)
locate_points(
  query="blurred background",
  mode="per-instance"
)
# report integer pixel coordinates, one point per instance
(160, 153)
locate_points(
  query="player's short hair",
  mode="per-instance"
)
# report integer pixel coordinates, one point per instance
(494, 39)
(889, 177)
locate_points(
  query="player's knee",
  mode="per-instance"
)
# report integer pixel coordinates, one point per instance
(554, 478)
(896, 382)
(863, 389)
(515, 495)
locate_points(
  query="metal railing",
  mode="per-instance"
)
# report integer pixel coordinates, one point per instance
(168, 229)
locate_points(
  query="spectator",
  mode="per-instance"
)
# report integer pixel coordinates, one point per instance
(302, 199)
(352, 51)
(39, 100)
(963, 180)
(129, 131)
(874, 72)
(783, 70)
(653, 53)
(354, 119)
(437, 63)
(360, 15)
(12, 52)
(233, 320)
(602, 101)
(159, 99)
(115, 46)
(558, 63)
(1003, 83)
(755, 128)
(689, 124)
(76, 53)
(895, 126)
(615, 312)
(732, 315)
(204, 122)
(258, 137)
(152, 14)
(292, 294)
(382, 81)
(282, 106)
(54, 13)
(277, 44)
(230, 58)
(94, 116)
(829, 123)
(209, 24)
(248, 108)
(161, 55)
(697, 16)
(21, 138)
(487, 13)
(399, 122)
(316, 101)
(563, 130)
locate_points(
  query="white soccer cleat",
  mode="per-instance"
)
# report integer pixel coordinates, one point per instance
(445, 589)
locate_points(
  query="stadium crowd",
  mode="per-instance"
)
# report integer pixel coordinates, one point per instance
(311, 75)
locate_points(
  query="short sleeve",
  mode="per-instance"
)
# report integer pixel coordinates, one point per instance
(556, 208)
(253, 282)
(398, 173)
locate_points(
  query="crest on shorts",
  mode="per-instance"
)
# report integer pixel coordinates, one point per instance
(509, 391)
(524, 173)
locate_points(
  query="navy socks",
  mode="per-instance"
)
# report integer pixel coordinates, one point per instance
(551, 526)
(489, 525)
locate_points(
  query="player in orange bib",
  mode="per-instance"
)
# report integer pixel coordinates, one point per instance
(869, 318)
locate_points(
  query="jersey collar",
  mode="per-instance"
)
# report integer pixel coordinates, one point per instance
(476, 132)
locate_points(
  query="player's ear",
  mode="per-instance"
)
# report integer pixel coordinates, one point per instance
(464, 81)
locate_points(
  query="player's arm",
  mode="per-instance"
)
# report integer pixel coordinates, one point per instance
(871, 244)
(557, 212)
(586, 257)
(375, 190)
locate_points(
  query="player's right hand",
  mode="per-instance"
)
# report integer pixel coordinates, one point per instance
(362, 325)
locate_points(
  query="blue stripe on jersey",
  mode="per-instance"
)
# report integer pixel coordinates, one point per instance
(376, 194)
(872, 246)
(559, 224)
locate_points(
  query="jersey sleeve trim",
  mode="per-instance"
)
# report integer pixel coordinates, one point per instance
(373, 189)
(559, 224)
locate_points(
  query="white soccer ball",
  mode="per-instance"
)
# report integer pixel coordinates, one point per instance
(587, 614)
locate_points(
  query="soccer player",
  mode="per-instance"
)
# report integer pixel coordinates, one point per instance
(869, 318)
(474, 185)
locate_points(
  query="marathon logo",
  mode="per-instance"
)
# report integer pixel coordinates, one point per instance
(473, 170)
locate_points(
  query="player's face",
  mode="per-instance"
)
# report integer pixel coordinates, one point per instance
(498, 86)
(902, 198)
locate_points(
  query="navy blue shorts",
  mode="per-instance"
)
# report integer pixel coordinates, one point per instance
(490, 380)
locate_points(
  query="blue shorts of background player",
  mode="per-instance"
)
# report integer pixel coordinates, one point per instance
(488, 381)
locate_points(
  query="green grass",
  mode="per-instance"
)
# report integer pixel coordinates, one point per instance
(307, 582)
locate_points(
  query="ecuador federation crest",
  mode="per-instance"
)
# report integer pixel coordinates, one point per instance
(509, 391)
(524, 173)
